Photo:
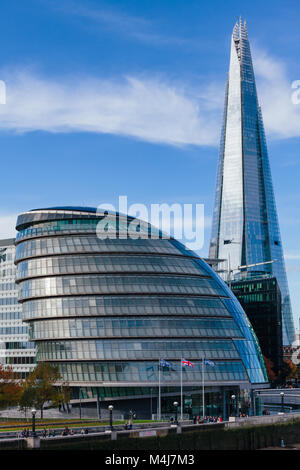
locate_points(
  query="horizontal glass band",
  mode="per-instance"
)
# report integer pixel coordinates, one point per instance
(106, 224)
(92, 244)
(146, 372)
(123, 305)
(137, 327)
(93, 284)
(77, 264)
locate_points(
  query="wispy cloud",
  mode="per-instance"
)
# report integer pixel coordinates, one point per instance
(151, 109)
(148, 109)
(281, 116)
(109, 18)
(292, 256)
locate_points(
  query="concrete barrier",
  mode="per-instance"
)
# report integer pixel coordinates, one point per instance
(262, 420)
(207, 436)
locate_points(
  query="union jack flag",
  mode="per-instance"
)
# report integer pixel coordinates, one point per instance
(187, 363)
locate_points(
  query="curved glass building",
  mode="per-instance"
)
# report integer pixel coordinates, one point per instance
(106, 296)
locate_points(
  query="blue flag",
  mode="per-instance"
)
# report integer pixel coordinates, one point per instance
(164, 363)
(207, 362)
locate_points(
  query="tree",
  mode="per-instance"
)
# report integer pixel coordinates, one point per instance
(28, 398)
(10, 388)
(39, 387)
(64, 394)
(288, 370)
(269, 368)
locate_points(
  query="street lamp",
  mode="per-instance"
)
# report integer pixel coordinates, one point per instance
(176, 411)
(111, 407)
(33, 412)
(80, 412)
(282, 401)
(234, 404)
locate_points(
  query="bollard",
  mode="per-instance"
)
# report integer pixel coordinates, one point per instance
(33, 442)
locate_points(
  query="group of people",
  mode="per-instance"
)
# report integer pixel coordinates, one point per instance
(48, 432)
(69, 432)
(52, 433)
(65, 432)
(207, 419)
(128, 424)
(25, 432)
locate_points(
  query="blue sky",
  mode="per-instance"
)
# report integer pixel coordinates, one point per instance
(109, 98)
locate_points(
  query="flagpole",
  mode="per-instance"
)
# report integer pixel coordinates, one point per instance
(203, 402)
(159, 394)
(181, 394)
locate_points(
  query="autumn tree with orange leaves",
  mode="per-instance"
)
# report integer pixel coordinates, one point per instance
(269, 368)
(10, 388)
(288, 370)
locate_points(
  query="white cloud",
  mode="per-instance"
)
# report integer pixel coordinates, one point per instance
(7, 226)
(292, 256)
(281, 116)
(148, 109)
(116, 20)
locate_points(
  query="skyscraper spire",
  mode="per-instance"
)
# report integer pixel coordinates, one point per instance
(245, 214)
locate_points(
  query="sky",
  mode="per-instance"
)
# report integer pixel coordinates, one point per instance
(110, 98)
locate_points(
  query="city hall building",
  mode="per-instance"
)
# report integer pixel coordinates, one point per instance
(105, 300)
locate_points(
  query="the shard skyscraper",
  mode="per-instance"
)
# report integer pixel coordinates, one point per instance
(245, 228)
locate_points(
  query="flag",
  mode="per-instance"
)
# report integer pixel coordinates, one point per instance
(187, 363)
(164, 363)
(207, 362)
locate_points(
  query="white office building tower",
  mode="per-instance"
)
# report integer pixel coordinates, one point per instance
(15, 349)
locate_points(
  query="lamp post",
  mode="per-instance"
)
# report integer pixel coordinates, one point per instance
(33, 412)
(234, 404)
(111, 407)
(282, 401)
(80, 412)
(176, 411)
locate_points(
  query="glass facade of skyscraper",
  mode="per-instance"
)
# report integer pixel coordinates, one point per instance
(245, 228)
(16, 352)
(260, 297)
(106, 308)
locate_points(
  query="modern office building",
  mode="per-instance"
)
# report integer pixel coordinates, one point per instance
(260, 297)
(105, 301)
(245, 229)
(16, 351)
